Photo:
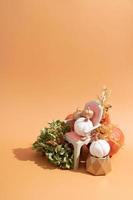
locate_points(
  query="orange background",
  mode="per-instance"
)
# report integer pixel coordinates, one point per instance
(55, 56)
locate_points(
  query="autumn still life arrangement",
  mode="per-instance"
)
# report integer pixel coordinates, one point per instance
(86, 135)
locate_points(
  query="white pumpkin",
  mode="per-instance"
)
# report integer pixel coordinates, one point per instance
(99, 148)
(82, 126)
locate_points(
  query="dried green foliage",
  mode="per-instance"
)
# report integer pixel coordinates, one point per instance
(51, 142)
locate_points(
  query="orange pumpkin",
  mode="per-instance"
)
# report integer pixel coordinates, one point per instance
(116, 141)
(69, 117)
(70, 120)
(84, 153)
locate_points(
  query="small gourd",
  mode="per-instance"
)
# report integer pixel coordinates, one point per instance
(83, 126)
(99, 148)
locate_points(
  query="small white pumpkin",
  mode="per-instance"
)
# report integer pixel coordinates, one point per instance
(82, 126)
(99, 148)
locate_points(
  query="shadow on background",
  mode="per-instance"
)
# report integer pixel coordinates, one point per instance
(28, 154)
